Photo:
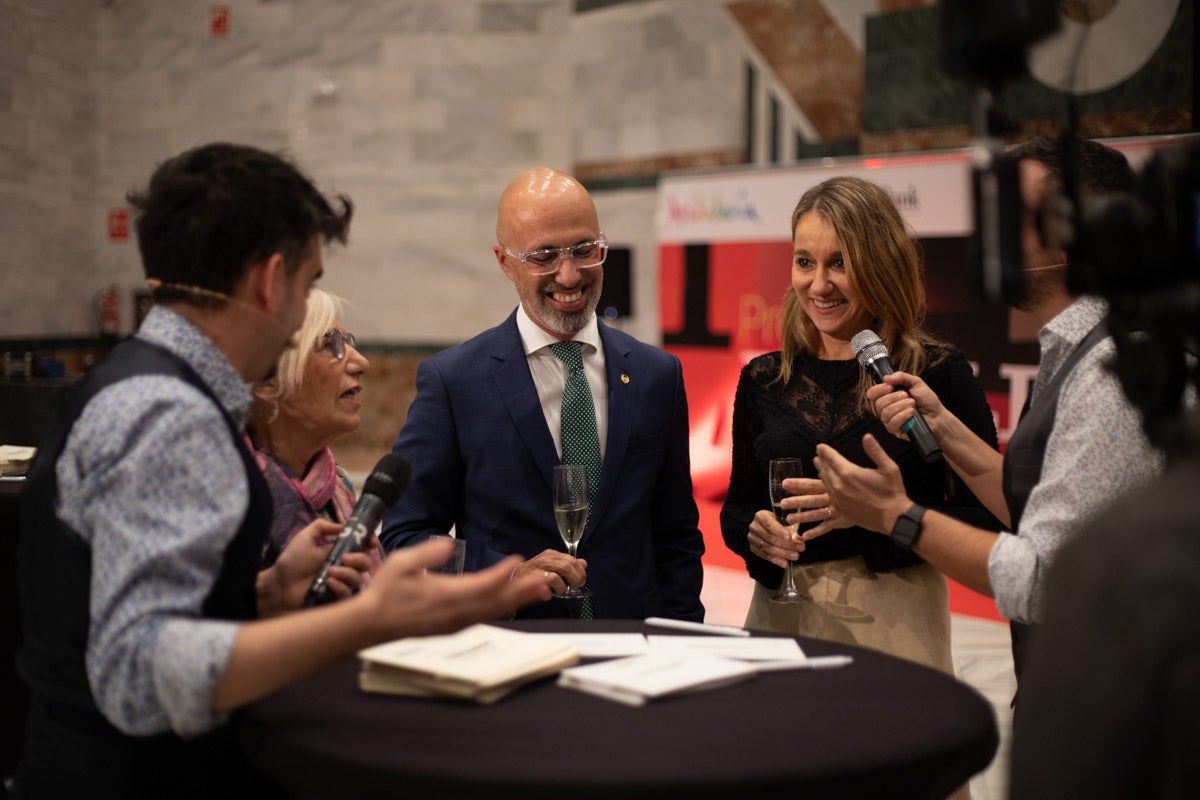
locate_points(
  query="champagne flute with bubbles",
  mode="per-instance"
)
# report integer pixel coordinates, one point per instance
(571, 511)
(777, 471)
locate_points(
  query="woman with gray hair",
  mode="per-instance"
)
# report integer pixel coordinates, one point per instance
(310, 401)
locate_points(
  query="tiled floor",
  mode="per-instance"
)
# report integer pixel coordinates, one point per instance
(982, 659)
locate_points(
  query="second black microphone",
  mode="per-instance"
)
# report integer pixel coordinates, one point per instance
(381, 490)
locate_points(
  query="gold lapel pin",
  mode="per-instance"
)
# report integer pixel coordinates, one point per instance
(624, 378)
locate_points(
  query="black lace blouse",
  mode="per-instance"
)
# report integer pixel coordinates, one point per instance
(820, 405)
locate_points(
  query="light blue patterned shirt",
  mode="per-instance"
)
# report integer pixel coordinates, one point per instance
(1096, 451)
(152, 481)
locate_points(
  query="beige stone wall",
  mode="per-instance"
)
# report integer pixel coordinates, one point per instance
(389, 387)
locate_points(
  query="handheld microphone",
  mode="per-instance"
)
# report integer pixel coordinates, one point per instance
(380, 492)
(873, 355)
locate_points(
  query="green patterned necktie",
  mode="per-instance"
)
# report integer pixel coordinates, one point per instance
(580, 440)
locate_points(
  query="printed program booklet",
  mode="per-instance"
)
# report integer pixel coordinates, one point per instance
(481, 663)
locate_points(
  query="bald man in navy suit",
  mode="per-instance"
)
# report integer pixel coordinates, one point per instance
(483, 433)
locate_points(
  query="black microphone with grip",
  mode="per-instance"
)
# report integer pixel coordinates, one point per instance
(873, 355)
(380, 492)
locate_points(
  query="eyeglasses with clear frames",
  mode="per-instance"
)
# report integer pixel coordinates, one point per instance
(335, 342)
(549, 260)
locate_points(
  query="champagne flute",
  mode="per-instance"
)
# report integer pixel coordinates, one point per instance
(777, 470)
(571, 511)
(456, 562)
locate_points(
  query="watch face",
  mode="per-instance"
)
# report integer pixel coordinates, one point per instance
(905, 531)
(908, 526)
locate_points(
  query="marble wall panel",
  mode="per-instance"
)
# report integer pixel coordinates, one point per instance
(644, 65)
(47, 167)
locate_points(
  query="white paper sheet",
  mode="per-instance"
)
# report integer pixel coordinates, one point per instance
(754, 648)
(602, 645)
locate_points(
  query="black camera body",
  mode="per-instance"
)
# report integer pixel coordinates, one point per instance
(1141, 252)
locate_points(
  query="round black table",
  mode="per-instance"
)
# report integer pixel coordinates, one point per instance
(881, 727)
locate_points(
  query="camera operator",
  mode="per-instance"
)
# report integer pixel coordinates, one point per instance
(1111, 700)
(1110, 707)
(1078, 444)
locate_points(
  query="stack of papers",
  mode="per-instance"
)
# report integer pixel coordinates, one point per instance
(660, 666)
(481, 663)
(760, 648)
(636, 679)
(615, 645)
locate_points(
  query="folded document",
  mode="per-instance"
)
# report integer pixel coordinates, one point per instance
(481, 663)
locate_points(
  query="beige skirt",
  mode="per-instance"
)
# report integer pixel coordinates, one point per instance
(903, 613)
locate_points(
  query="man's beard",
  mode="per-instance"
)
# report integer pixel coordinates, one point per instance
(569, 323)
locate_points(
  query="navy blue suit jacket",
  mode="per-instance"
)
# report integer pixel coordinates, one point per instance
(482, 456)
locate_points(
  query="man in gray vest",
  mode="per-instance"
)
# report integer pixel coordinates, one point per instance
(146, 619)
(1078, 445)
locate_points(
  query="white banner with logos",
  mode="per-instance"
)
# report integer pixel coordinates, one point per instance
(933, 192)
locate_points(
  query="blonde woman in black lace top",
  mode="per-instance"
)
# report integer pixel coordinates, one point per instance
(854, 267)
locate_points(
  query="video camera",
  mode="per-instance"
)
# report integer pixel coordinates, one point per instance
(1140, 251)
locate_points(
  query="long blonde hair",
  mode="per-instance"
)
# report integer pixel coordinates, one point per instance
(883, 270)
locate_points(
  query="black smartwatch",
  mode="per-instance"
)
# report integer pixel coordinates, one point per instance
(908, 526)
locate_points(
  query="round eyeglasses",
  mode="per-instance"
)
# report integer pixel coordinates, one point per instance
(335, 342)
(549, 260)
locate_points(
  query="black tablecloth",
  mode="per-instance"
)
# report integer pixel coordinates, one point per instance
(881, 727)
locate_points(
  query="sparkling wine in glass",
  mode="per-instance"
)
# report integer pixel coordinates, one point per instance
(777, 470)
(571, 511)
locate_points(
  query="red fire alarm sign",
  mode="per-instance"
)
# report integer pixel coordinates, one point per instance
(118, 224)
(218, 20)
